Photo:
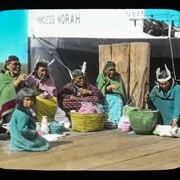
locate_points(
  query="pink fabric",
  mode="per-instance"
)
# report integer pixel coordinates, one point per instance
(48, 86)
(87, 108)
(125, 127)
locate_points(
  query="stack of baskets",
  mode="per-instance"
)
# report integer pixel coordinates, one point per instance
(143, 121)
(87, 122)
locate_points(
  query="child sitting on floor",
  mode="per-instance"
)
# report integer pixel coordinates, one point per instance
(23, 134)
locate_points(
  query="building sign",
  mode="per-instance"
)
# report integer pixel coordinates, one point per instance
(61, 18)
(102, 23)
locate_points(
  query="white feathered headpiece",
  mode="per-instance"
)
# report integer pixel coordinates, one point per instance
(158, 72)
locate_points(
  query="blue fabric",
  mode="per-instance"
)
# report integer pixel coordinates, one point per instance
(24, 136)
(168, 103)
(113, 104)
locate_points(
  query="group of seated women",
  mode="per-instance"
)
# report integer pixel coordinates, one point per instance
(56, 104)
(109, 91)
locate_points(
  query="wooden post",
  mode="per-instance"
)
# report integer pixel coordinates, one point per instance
(105, 54)
(133, 61)
(120, 55)
(139, 71)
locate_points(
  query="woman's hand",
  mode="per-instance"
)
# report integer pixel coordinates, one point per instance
(21, 77)
(174, 123)
(112, 87)
(85, 91)
(73, 97)
(146, 96)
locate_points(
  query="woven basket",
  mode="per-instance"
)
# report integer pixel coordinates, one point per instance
(87, 122)
(143, 121)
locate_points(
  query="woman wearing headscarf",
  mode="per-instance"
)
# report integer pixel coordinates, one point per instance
(165, 97)
(11, 81)
(112, 87)
(46, 94)
(71, 96)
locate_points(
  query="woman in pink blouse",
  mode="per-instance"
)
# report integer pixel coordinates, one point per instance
(46, 101)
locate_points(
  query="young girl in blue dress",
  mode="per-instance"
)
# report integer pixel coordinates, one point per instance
(23, 134)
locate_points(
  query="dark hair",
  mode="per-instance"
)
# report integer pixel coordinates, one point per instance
(109, 64)
(40, 64)
(25, 92)
(76, 73)
(10, 58)
(163, 74)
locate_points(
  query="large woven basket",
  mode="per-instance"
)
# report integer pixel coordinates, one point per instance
(143, 121)
(87, 122)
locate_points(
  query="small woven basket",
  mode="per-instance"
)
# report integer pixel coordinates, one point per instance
(87, 122)
(143, 121)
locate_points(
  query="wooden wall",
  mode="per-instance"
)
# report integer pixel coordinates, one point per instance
(133, 63)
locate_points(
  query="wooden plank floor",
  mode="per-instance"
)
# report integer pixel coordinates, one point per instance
(105, 150)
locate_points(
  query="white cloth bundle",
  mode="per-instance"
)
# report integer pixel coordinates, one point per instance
(167, 130)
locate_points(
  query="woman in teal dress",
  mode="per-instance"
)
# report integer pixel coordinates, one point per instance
(114, 95)
(23, 134)
(165, 97)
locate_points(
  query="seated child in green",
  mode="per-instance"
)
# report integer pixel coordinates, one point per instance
(23, 134)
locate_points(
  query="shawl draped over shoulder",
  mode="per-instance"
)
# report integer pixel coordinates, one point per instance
(7, 94)
(102, 82)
